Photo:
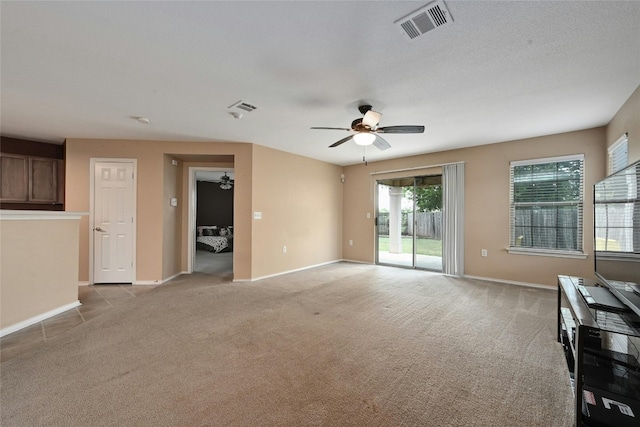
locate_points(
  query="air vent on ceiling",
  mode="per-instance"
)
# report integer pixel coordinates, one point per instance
(423, 20)
(243, 106)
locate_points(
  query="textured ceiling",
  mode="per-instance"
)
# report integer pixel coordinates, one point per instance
(501, 71)
(213, 176)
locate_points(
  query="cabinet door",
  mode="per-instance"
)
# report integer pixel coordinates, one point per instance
(43, 182)
(60, 164)
(14, 173)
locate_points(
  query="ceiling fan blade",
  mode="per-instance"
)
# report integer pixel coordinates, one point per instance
(401, 129)
(381, 143)
(371, 119)
(342, 141)
(321, 127)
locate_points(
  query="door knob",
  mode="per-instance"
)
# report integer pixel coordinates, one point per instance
(99, 229)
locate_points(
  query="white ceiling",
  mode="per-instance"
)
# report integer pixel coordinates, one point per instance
(213, 176)
(502, 70)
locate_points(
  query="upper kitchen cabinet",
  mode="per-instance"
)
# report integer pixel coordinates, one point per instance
(14, 174)
(31, 175)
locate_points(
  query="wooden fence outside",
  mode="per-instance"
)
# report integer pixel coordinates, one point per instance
(428, 225)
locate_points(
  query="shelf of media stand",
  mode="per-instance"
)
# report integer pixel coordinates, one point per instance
(602, 351)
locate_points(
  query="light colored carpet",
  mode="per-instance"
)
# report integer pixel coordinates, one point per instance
(339, 345)
(214, 263)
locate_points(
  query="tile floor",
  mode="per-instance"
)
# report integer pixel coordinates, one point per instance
(95, 300)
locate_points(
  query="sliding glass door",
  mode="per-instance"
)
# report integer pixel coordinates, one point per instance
(395, 246)
(409, 219)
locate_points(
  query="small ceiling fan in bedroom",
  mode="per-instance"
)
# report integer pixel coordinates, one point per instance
(366, 129)
(226, 183)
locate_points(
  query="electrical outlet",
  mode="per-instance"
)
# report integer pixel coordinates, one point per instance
(284, 249)
(484, 252)
(350, 242)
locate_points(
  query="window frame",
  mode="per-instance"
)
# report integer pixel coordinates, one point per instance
(512, 248)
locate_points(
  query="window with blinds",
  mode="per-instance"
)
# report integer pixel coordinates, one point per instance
(617, 212)
(547, 204)
(619, 154)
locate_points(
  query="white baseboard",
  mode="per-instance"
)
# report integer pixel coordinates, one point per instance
(158, 282)
(356, 261)
(84, 283)
(286, 272)
(38, 318)
(511, 282)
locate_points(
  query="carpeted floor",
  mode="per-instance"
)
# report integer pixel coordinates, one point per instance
(339, 345)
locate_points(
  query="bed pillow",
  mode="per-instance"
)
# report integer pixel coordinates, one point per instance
(213, 231)
(207, 230)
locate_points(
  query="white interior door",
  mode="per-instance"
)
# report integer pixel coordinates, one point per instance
(113, 222)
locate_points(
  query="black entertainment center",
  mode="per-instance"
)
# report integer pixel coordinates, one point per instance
(599, 320)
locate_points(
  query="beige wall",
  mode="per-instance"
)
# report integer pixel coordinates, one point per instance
(38, 268)
(150, 204)
(627, 119)
(172, 216)
(301, 204)
(486, 204)
(307, 209)
(301, 201)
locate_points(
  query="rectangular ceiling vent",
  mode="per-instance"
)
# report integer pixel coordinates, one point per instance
(423, 20)
(243, 106)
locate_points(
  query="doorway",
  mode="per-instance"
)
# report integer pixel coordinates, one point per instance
(211, 231)
(409, 222)
(112, 221)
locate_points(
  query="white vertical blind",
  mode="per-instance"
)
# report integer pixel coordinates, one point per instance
(453, 219)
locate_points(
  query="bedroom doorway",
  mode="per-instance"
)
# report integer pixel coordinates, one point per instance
(211, 220)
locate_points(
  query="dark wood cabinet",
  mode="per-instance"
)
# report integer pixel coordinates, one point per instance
(14, 176)
(43, 180)
(28, 179)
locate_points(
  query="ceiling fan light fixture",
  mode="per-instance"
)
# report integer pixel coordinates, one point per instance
(364, 138)
(225, 182)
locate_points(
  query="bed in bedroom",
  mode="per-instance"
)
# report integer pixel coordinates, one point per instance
(214, 238)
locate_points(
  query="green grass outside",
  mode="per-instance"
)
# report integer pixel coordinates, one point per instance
(423, 246)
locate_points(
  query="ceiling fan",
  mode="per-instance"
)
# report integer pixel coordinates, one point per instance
(366, 129)
(226, 183)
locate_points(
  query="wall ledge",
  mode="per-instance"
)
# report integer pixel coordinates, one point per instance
(15, 215)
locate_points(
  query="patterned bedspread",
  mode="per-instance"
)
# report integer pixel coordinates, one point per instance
(217, 243)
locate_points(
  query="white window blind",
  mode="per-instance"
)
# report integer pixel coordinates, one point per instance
(546, 207)
(619, 154)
